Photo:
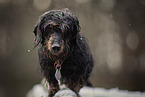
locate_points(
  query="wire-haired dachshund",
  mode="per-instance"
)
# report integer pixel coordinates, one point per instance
(64, 55)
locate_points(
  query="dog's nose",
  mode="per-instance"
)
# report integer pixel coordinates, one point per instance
(56, 48)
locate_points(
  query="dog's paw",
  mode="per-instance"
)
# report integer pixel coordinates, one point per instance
(52, 92)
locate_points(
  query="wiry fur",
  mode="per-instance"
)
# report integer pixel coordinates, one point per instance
(74, 55)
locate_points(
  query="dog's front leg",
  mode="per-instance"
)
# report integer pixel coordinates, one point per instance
(53, 84)
(53, 89)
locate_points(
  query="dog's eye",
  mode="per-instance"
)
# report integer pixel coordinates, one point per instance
(47, 31)
(48, 28)
(56, 28)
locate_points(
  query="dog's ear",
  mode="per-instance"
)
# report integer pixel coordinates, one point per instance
(78, 28)
(38, 36)
(76, 25)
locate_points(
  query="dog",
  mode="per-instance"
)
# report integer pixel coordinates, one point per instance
(64, 54)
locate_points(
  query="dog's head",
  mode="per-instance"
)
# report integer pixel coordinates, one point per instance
(57, 32)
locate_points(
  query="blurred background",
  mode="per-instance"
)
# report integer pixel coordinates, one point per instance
(115, 30)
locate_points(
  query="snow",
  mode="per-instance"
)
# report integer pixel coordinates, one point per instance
(39, 91)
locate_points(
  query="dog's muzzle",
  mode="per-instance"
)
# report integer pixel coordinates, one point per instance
(56, 46)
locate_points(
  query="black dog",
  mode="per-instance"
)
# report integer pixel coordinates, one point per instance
(63, 54)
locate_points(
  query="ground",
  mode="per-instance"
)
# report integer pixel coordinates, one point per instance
(40, 90)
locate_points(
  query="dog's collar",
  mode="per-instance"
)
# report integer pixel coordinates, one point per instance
(57, 65)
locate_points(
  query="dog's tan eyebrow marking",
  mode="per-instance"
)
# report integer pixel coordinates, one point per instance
(50, 25)
(55, 24)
